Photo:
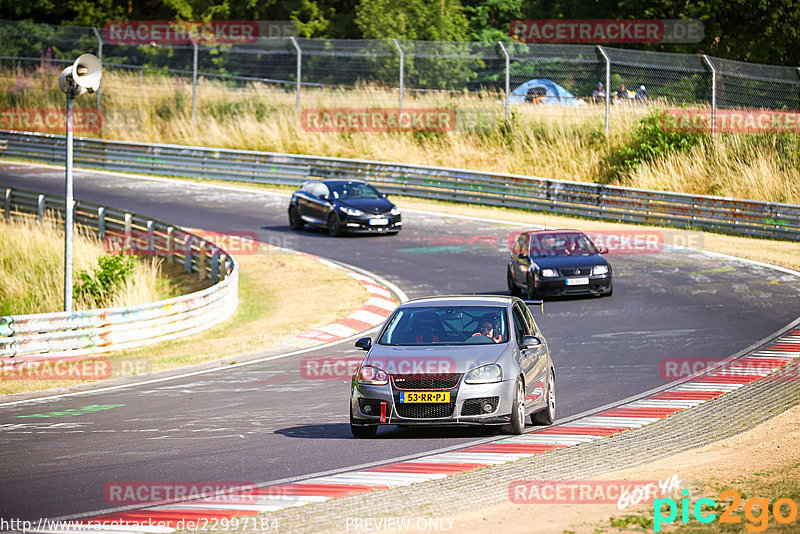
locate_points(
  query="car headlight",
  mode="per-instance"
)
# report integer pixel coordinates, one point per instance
(485, 374)
(600, 269)
(395, 211)
(351, 211)
(549, 273)
(372, 376)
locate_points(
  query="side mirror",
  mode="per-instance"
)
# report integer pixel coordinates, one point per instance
(530, 341)
(364, 343)
(602, 250)
(523, 256)
(326, 198)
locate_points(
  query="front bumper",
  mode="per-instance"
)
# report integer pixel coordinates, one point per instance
(366, 224)
(557, 287)
(459, 396)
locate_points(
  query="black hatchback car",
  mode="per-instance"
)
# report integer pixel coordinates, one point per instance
(558, 263)
(343, 206)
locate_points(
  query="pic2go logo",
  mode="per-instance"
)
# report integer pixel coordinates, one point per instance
(756, 511)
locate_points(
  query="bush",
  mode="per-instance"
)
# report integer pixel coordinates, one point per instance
(111, 273)
(648, 142)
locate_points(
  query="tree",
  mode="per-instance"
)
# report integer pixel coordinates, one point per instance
(421, 20)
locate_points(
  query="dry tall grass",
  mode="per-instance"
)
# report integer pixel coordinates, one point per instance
(32, 271)
(548, 141)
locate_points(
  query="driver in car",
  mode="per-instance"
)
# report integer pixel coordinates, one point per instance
(488, 329)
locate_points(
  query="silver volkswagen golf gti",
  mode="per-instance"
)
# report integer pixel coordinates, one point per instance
(456, 360)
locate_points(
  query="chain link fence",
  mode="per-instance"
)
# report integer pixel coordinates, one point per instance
(511, 73)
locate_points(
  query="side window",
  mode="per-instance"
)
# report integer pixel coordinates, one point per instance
(530, 320)
(520, 324)
(323, 191)
(308, 187)
(521, 246)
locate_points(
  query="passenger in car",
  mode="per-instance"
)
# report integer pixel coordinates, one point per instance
(487, 329)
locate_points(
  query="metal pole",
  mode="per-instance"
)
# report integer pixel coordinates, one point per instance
(608, 85)
(100, 57)
(68, 210)
(713, 95)
(508, 74)
(299, 69)
(402, 75)
(194, 80)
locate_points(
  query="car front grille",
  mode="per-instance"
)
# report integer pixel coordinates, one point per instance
(426, 381)
(583, 271)
(475, 406)
(425, 411)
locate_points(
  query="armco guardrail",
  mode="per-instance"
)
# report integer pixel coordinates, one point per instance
(81, 333)
(557, 196)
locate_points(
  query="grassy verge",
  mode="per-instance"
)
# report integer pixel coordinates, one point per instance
(548, 141)
(274, 306)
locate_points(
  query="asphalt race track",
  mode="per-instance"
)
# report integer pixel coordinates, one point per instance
(265, 422)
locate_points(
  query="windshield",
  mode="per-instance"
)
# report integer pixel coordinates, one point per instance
(545, 245)
(447, 325)
(353, 190)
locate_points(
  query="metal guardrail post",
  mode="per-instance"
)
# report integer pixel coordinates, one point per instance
(214, 268)
(101, 223)
(299, 69)
(402, 74)
(608, 85)
(194, 78)
(187, 255)
(170, 245)
(150, 241)
(7, 204)
(713, 95)
(40, 208)
(100, 57)
(508, 75)
(127, 231)
(201, 270)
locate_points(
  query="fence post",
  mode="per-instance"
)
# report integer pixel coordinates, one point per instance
(508, 74)
(100, 57)
(194, 79)
(299, 69)
(40, 208)
(608, 84)
(402, 74)
(797, 71)
(713, 95)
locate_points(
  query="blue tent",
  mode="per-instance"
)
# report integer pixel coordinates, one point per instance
(552, 93)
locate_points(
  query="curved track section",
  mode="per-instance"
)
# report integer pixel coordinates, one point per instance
(244, 425)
